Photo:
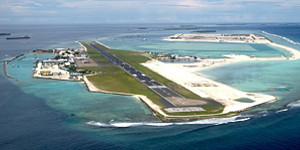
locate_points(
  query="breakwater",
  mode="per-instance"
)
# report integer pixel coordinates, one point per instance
(5, 65)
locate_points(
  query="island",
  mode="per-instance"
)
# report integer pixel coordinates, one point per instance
(226, 38)
(173, 91)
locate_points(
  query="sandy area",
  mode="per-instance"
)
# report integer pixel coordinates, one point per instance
(295, 53)
(208, 88)
(233, 58)
(81, 45)
(184, 75)
(91, 87)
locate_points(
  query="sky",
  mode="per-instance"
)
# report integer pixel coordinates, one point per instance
(147, 11)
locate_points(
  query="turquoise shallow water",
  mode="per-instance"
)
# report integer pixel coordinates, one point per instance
(35, 113)
(279, 78)
(153, 42)
(73, 97)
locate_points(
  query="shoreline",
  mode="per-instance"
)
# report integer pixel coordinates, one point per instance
(221, 93)
(208, 88)
(154, 108)
(232, 106)
(234, 58)
(92, 88)
(157, 110)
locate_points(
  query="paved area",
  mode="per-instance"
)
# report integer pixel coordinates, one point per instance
(184, 109)
(86, 63)
(177, 101)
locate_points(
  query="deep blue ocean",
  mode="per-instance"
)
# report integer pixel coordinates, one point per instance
(35, 113)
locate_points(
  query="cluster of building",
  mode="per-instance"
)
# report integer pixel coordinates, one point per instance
(173, 57)
(62, 66)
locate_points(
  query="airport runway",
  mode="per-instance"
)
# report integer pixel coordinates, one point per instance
(171, 98)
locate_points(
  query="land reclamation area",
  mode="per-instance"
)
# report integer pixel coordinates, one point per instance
(111, 78)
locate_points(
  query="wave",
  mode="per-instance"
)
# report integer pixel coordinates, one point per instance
(213, 121)
(294, 104)
(263, 113)
(282, 37)
(281, 110)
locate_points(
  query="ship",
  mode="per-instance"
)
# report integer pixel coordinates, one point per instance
(1, 34)
(15, 38)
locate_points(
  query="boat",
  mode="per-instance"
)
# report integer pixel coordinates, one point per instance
(1, 34)
(15, 38)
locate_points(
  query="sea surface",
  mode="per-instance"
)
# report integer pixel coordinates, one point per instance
(36, 113)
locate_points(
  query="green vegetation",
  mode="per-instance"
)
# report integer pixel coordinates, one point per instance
(134, 58)
(95, 55)
(114, 79)
(103, 70)
(111, 78)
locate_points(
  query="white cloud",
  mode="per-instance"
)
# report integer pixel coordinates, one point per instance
(192, 3)
(151, 10)
(25, 10)
(167, 19)
(20, 9)
(96, 4)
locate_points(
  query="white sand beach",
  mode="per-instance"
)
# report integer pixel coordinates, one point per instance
(208, 88)
(184, 75)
